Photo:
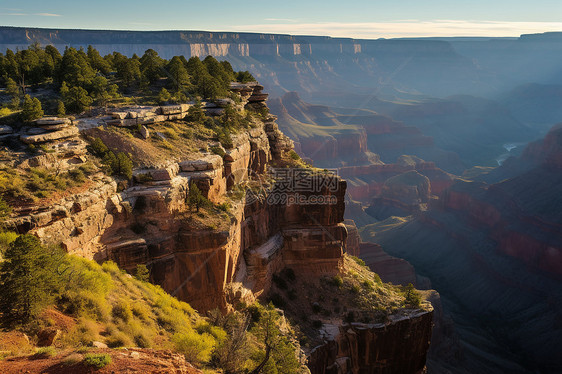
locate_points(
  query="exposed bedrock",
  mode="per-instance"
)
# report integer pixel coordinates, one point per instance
(401, 347)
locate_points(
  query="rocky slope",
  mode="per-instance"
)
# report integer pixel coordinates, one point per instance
(229, 257)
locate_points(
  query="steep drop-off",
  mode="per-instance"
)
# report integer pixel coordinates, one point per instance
(493, 252)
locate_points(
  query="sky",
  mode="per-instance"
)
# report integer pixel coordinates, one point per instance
(368, 19)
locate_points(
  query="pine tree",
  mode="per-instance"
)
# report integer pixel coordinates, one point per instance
(164, 96)
(31, 109)
(122, 165)
(75, 99)
(412, 296)
(151, 66)
(195, 113)
(61, 110)
(179, 78)
(14, 92)
(29, 277)
(195, 198)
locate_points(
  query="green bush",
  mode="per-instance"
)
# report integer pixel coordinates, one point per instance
(358, 260)
(218, 151)
(6, 238)
(118, 339)
(97, 361)
(45, 352)
(412, 296)
(122, 310)
(337, 281)
(142, 273)
(196, 348)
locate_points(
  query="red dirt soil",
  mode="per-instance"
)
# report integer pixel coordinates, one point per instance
(122, 361)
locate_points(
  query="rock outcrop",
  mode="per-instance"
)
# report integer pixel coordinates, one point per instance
(286, 218)
(353, 350)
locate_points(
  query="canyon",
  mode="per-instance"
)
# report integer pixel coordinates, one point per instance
(235, 257)
(415, 127)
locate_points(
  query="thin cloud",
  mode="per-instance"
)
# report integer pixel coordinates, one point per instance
(405, 28)
(33, 14)
(48, 14)
(280, 20)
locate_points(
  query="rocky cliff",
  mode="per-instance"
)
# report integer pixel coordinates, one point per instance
(274, 217)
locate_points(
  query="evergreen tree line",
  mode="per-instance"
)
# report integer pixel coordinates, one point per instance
(84, 77)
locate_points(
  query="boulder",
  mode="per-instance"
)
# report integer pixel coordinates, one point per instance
(55, 127)
(223, 103)
(162, 174)
(99, 345)
(211, 162)
(48, 336)
(171, 109)
(48, 121)
(144, 132)
(51, 136)
(119, 115)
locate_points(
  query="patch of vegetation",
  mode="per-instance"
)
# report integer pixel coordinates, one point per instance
(218, 151)
(195, 198)
(45, 352)
(84, 78)
(337, 281)
(97, 361)
(412, 296)
(142, 273)
(358, 260)
(116, 164)
(37, 183)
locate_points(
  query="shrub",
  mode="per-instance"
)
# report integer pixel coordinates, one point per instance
(142, 273)
(77, 175)
(6, 238)
(45, 352)
(122, 310)
(294, 155)
(218, 151)
(97, 361)
(196, 348)
(412, 296)
(337, 281)
(172, 134)
(358, 260)
(225, 207)
(355, 289)
(5, 210)
(142, 341)
(118, 339)
(368, 285)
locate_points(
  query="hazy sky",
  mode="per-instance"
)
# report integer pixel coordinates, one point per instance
(351, 18)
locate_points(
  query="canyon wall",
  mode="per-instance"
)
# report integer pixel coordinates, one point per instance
(353, 350)
(233, 257)
(493, 251)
